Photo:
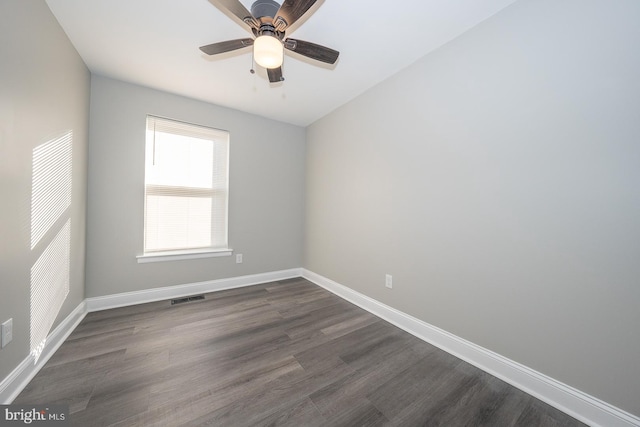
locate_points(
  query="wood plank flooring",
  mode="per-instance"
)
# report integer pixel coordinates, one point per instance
(285, 353)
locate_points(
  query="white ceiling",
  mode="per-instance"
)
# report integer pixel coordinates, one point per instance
(154, 43)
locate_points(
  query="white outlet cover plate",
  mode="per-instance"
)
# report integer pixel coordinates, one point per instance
(7, 332)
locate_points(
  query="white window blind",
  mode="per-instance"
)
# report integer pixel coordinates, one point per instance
(186, 187)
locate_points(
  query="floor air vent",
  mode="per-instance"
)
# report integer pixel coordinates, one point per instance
(186, 299)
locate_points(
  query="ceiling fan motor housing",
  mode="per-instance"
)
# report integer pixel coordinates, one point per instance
(261, 8)
(268, 23)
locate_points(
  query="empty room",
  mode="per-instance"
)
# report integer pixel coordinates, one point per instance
(320, 213)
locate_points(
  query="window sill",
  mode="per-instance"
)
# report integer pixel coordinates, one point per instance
(182, 255)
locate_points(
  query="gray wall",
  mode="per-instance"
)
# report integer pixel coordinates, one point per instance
(498, 181)
(266, 202)
(44, 92)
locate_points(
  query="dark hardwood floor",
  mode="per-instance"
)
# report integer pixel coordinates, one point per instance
(284, 353)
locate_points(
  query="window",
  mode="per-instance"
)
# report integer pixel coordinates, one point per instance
(186, 188)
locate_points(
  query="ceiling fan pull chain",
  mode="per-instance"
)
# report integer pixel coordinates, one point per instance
(268, 23)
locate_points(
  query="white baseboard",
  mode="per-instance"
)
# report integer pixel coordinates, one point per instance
(168, 292)
(579, 405)
(18, 379)
(569, 400)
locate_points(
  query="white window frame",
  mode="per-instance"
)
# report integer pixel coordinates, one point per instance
(219, 190)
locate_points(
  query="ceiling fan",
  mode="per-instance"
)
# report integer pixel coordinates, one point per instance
(268, 21)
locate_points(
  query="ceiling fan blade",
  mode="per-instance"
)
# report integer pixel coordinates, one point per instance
(235, 10)
(291, 11)
(312, 50)
(275, 74)
(228, 46)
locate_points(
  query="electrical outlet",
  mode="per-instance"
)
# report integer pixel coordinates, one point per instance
(388, 281)
(238, 258)
(7, 332)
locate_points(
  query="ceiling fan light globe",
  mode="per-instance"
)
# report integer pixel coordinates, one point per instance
(268, 51)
